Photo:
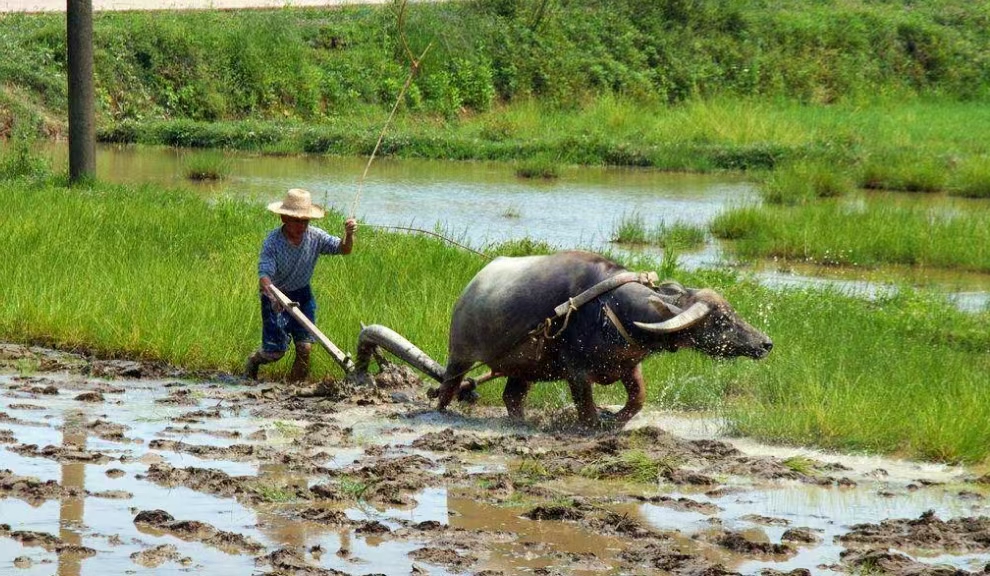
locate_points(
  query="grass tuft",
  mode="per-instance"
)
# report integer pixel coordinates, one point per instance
(211, 165)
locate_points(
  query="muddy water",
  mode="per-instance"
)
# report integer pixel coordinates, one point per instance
(262, 479)
(479, 203)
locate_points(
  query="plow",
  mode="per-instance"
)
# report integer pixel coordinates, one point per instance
(372, 340)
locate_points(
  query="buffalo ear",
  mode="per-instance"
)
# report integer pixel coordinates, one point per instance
(695, 313)
(664, 306)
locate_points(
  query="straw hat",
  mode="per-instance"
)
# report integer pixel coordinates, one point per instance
(297, 204)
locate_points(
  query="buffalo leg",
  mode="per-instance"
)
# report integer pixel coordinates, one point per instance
(584, 401)
(635, 395)
(453, 376)
(514, 395)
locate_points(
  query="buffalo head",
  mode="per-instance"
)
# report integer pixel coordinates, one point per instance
(704, 320)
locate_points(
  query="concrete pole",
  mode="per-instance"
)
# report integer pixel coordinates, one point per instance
(82, 124)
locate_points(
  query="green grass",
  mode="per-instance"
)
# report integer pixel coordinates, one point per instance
(544, 168)
(909, 171)
(269, 492)
(972, 178)
(905, 375)
(800, 464)
(162, 274)
(287, 429)
(635, 465)
(862, 232)
(802, 182)
(211, 165)
(632, 229)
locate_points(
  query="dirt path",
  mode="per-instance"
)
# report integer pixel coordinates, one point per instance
(138, 470)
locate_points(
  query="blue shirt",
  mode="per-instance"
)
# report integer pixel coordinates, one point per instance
(291, 267)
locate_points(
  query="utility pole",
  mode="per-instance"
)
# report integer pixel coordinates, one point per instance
(82, 124)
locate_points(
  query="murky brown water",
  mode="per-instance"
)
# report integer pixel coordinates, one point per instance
(462, 488)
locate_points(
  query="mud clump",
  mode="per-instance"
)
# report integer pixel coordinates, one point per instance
(119, 369)
(32, 490)
(325, 516)
(186, 430)
(395, 376)
(89, 397)
(447, 440)
(683, 504)
(662, 557)
(75, 550)
(197, 416)
(46, 360)
(288, 561)
(554, 513)
(7, 437)
(895, 564)
(443, 557)
(800, 535)
(30, 538)
(765, 520)
(621, 524)
(193, 530)
(206, 480)
(927, 531)
(392, 480)
(107, 430)
(155, 557)
(66, 453)
(112, 494)
(180, 397)
(318, 434)
(234, 452)
(736, 542)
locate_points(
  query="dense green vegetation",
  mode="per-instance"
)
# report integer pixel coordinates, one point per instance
(312, 64)
(676, 84)
(153, 273)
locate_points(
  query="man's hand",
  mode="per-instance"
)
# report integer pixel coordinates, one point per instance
(350, 225)
(265, 282)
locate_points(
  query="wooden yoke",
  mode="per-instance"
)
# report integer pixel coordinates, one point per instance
(343, 359)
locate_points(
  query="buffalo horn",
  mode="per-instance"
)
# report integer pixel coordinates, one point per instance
(665, 304)
(684, 320)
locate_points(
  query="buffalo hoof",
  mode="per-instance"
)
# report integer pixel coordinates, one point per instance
(433, 393)
(467, 396)
(608, 420)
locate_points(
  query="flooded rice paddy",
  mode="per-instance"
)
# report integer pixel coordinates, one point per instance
(479, 203)
(123, 468)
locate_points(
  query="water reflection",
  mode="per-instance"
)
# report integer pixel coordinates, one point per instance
(72, 510)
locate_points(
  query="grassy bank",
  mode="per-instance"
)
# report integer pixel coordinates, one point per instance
(702, 85)
(153, 273)
(314, 63)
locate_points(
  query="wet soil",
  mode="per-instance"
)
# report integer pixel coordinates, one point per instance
(217, 477)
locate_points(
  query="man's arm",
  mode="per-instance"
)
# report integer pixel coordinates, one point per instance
(350, 225)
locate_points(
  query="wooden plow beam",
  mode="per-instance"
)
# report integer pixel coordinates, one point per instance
(342, 358)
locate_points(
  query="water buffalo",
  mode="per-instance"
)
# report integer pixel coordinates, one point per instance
(601, 341)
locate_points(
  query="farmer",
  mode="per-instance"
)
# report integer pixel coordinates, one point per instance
(288, 258)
